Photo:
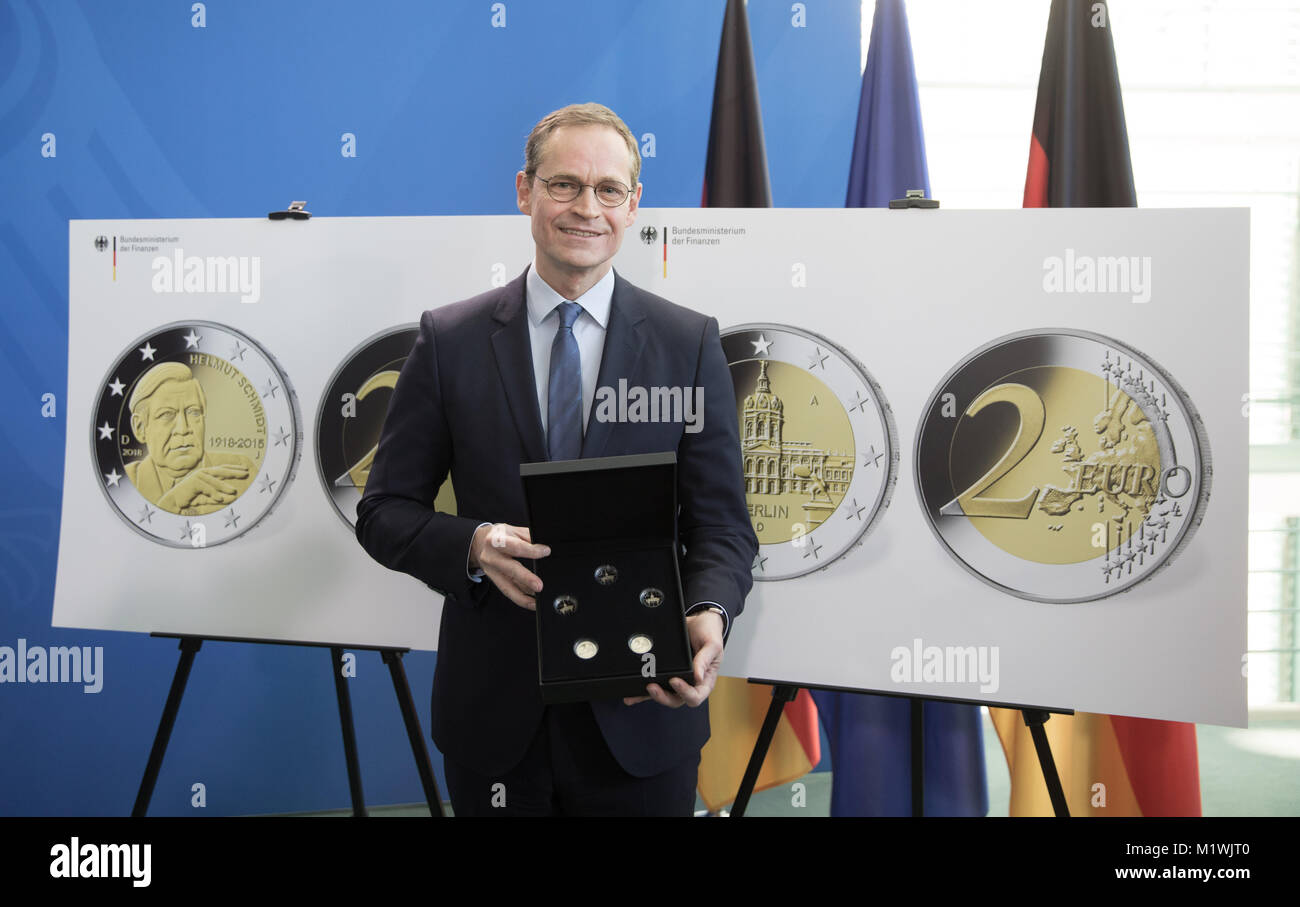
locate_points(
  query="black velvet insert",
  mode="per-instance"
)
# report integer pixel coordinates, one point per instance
(620, 511)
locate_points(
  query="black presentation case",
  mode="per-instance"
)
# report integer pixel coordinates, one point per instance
(620, 512)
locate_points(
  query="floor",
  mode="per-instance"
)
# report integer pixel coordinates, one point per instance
(1244, 772)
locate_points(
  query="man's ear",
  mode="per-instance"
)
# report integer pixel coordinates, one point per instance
(523, 192)
(634, 200)
(137, 427)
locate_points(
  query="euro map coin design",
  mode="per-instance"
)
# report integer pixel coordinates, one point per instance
(196, 434)
(350, 419)
(1061, 465)
(819, 448)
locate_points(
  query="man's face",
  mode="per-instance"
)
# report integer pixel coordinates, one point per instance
(174, 431)
(579, 236)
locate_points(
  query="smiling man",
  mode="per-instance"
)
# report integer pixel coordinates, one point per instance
(509, 377)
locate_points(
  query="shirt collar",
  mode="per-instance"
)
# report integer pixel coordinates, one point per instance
(542, 299)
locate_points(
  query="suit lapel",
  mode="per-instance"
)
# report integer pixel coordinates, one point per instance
(514, 355)
(624, 341)
(512, 347)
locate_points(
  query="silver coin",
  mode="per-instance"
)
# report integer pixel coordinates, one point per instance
(640, 643)
(565, 604)
(652, 597)
(1061, 465)
(585, 649)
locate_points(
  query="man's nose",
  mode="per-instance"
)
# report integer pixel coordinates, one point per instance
(585, 203)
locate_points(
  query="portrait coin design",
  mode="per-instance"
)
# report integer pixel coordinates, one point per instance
(1061, 465)
(819, 448)
(585, 649)
(640, 643)
(196, 434)
(351, 419)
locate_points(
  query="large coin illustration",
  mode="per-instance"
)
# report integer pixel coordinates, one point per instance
(1061, 465)
(351, 419)
(818, 446)
(195, 434)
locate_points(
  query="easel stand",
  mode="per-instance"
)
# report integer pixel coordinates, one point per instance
(189, 646)
(785, 692)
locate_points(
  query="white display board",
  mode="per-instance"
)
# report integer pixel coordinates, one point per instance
(1117, 584)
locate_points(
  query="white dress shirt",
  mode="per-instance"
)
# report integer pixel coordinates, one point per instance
(589, 330)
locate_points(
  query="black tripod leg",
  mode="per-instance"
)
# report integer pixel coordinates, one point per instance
(780, 696)
(189, 647)
(393, 659)
(918, 757)
(349, 732)
(1034, 719)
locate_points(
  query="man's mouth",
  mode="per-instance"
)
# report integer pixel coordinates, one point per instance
(576, 232)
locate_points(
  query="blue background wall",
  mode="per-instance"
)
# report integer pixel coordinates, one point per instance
(153, 117)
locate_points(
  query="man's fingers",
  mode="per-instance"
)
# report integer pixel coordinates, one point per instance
(664, 697)
(504, 578)
(519, 575)
(513, 592)
(494, 561)
(704, 662)
(693, 696)
(518, 547)
(516, 541)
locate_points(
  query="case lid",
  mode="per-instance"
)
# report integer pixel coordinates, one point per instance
(602, 498)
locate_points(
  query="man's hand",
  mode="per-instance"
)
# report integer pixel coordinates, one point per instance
(495, 549)
(705, 631)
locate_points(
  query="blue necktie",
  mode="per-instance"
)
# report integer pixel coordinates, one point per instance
(564, 394)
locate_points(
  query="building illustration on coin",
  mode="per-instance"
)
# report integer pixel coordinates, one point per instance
(818, 446)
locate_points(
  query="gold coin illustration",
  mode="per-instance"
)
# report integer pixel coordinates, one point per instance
(195, 420)
(1062, 465)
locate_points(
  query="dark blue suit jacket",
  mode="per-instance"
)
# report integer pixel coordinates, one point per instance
(466, 403)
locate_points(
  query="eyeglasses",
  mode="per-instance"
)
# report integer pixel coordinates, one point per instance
(609, 193)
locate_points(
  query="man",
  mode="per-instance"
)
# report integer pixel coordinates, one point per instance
(168, 410)
(509, 377)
